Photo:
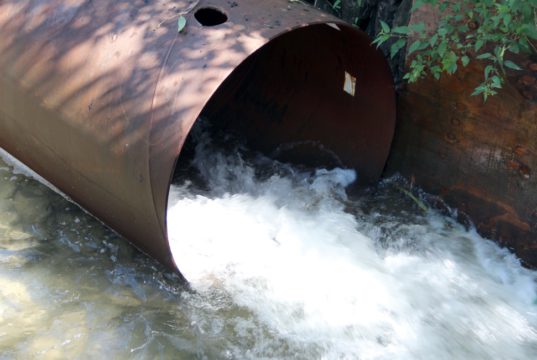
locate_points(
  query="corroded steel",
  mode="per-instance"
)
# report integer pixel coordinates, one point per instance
(99, 96)
(479, 157)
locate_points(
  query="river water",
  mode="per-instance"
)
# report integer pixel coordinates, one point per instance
(283, 264)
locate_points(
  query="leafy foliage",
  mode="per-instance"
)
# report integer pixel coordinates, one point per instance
(181, 23)
(469, 30)
(336, 4)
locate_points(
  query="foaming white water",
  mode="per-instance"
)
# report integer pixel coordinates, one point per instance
(316, 277)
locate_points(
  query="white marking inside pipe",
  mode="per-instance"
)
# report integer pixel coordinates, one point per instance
(350, 84)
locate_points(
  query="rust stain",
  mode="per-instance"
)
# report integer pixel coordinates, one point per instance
(479, 157)
(114, 98)
(520, 150)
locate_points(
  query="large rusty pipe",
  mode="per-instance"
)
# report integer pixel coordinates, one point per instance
(99, 96)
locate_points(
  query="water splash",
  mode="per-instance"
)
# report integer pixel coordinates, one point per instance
(284, 262)
(294, 268)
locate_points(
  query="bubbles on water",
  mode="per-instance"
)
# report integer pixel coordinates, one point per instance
(283, 263)
(300, 264)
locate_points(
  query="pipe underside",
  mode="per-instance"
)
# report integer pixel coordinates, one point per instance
(99, 96)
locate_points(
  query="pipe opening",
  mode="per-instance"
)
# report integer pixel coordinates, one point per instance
(210, 16)
(292, 103)
(288, 100)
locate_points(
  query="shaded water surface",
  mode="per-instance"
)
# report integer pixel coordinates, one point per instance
(283, 263)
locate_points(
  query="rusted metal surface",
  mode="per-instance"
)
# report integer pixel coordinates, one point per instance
(479, 157)
(99, 96)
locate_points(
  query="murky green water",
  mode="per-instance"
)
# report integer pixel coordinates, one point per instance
(289, 268)
(70, 288)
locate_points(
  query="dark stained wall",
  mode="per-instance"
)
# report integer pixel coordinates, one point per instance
(481, 158)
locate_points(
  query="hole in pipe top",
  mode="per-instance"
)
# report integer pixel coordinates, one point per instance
(210, 16)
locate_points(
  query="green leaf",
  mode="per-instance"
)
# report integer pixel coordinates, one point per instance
(436, 71)
(381, 39)
(400, 30)
(488, 69)
(507, 19)
(484, 56)
(499, 52)
(336, 5)
(442, 48)
(385, 27)
(449, 62)
(483, 30)
(181, 23)
(478, 45)
(478, 90)
(396, 46)
(496, 82)
(524, 44)
(511, 65)
(415, 46)
(433, 39)
(531, 32)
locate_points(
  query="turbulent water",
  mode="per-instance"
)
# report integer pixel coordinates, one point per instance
(282, 263)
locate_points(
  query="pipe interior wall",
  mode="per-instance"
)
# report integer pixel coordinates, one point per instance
(99, 96)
